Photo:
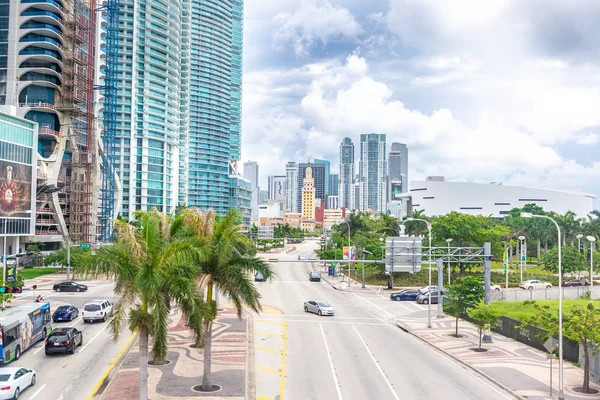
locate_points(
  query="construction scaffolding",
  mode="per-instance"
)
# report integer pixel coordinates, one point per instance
(110, 10)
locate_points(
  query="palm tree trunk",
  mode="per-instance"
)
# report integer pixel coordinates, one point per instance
(143, 362)
(456, 334)
(206, 375)
(539, 251)
(480, 336)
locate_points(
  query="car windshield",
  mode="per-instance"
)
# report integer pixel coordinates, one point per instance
(92, 307)
(62, 309)
(4, 377)
(59, 336)
(322, 304)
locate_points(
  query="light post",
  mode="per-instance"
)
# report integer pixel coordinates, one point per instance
(448, 241)
(363, 265)
(561, 393)
(579, 236)
(592, 240)
(439, 294)
(521, 239)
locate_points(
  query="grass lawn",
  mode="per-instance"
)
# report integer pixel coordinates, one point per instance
(30, 273)
(520, 311)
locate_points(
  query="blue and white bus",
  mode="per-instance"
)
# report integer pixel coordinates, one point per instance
(21, 327)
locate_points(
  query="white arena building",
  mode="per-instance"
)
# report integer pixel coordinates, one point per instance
(437, 197)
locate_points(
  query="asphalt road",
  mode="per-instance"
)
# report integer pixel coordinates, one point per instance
(357, 354)
(72, 377)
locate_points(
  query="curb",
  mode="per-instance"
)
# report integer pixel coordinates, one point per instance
(110, 373)
(464, 364)
(250, 360)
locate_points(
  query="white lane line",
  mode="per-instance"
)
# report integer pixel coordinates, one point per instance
(41, 348)
(335, 380)
(276, 316)
(74, 322)
(37, 392)
(377, 364)
(92, 339)
(339, 323)
(374, 305)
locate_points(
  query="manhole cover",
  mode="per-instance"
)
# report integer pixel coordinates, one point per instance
(159, 365)
(215, 388)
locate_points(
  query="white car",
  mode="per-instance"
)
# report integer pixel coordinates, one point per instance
(535, 284)
(96, 310)
(318, 307)
(14, 380)
(496, 288)
(425, 289)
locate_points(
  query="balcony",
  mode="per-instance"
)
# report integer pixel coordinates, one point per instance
(41, 13)
(48, 131)
(38, 104)
(40, 39)
(39, 25)
(40, 52)
(49, 4)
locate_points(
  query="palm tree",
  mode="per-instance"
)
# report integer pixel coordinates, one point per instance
(415, 227)
(226, 259)
(151, 271)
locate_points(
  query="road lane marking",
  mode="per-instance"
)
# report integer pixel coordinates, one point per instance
(283, 356)
(374, 305)
(269, 322)
(270, 334)
(377, 364)
(259, 397)
(37, 392)
(268, 370)
(268, 349)
(92, 339)
(335, 380)
(110, 367)
(336, 317)
(74, 322)
(317, 321)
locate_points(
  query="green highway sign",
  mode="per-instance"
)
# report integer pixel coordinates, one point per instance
(85, 246)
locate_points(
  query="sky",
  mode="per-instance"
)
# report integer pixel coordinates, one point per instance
(480, 91)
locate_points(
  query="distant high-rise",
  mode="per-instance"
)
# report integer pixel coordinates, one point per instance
(319, 176)
(251, 173)
(373, 171)
(308, 196)
(291, 181)
(346, 173)
(398, 165)
(327, 169)
(277, 186)
(334, 184)
(263, 196)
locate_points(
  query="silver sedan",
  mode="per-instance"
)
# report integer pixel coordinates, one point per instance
(318, 307)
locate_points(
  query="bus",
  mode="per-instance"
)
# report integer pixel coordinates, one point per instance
(21, 327)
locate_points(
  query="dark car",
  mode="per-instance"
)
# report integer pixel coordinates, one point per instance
(314, 277)
(575, 282)
(407, 294)
(423, 298)
(69, 287)
(65, 313)
(63, 340)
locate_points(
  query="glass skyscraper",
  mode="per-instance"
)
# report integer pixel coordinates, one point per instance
(215, 102)
(372, 171)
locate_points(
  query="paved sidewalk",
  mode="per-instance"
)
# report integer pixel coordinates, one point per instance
(518, 367)
(176, 379)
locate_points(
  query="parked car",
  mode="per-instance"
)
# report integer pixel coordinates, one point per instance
(258, 277)
(301, 257)
(65, 313)
(318, 307)
(423, 298)
(14, 380)
(496, 288)
(406, 294)
(535, 284)
(426, 289)
(96, 310)
(69, 287)
(63, 340)
(314, 276)
(576, 282)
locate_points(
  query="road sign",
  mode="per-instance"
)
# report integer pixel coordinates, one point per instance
(11, 274)
(550, 344)
(85, 245)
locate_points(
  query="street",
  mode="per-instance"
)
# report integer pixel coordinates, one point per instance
(357, 354)
(66, 376)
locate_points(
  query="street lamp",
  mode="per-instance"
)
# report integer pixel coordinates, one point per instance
(592, 240)
(363, 265)
(579, 236)
(448, 241)
(521, 239)
(439, 294)
(561, 393)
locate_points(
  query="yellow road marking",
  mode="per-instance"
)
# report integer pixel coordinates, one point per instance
(268, 370)
(283, 355)
(270, 334)
(264, 321)
(110, 367)
(267, 349)
(259, 397)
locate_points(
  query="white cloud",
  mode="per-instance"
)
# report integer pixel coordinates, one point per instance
(313, 22)
(588, 138)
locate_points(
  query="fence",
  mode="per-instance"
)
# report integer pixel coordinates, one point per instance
(545, 294)
(594, 361)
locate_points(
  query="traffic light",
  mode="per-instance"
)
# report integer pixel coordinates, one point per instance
(11, 290)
